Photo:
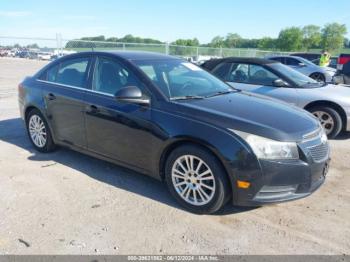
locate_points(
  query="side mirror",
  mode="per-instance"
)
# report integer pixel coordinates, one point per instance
(279, 83)
(301, 64)
(131, 94)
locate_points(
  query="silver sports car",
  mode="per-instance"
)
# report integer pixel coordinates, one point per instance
(329, 103)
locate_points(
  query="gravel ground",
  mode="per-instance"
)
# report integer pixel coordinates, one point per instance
(69, 203)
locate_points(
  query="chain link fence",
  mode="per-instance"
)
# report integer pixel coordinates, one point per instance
(59, 46)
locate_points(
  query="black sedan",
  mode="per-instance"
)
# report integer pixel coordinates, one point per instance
(167, 118)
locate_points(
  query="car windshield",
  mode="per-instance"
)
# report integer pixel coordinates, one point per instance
(179, 79)
(298, 78)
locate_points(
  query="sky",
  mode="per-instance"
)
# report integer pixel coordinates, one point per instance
(165, 20)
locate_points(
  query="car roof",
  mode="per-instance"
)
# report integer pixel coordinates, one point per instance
(292, 56)
(131, 55)
(210, 64)
(250, 60)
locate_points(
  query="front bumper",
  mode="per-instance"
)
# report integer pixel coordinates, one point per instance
(285, 180)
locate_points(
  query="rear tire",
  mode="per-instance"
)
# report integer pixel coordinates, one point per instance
(196, 179)
(329, 118)
(39, 132)
(319, 77)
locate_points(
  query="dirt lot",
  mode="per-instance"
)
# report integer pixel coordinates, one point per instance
(69, 203)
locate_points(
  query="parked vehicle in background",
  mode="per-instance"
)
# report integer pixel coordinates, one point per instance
(44, 56)
(342, 60)
(4, 52)
(27, 54)
(168, 118)
(333, 62)
(320, 74)
(329, 103)
(315, 58)
(308, 56)
(12, 53)
(343, 76)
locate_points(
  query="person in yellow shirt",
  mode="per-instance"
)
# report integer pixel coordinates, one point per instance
(325, 59)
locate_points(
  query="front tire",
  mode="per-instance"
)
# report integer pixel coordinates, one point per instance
(196, 179)
(329, 119)
(39, 132)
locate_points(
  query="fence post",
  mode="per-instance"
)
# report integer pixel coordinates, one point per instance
(197, 53)
(59, 46)
(123, 46)
(167, 48)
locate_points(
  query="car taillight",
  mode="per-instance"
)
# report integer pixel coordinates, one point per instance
(343, 60)
(20, 90)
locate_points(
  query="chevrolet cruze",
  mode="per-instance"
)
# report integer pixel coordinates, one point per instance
(167, 118)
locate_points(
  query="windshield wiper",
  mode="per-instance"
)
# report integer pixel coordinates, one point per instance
(186, 97)
(222, 93)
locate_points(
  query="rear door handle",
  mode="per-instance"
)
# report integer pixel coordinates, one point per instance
(51, 96)
(92, 109)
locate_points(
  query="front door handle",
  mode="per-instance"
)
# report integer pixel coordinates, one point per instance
(51, 96)
(92, 109)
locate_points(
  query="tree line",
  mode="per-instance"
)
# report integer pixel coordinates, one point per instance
(330, 37)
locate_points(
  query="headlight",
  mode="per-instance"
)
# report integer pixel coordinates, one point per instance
(265, 148)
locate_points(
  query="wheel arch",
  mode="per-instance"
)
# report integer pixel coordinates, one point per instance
(332, 105)
(28, 110)
(317, 72)
(196, 142)
(31, 107)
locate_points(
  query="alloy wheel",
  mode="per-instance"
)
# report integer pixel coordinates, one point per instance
(37, 131)
(326, 121)
(193, 180)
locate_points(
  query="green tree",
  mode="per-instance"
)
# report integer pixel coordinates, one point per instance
(34, 46)
(333, 36)
(311, 36)
(186, 42)
(232, 40)
(217, 41)
(94, 38)
(290, 39)
(267, 43)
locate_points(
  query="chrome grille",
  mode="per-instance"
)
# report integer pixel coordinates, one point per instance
(319, 152)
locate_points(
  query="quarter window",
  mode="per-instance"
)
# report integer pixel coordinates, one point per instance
(292, 61)
(222, 70)
(71, 72)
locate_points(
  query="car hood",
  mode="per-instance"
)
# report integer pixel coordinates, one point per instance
(330, 69)
(253, 114)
